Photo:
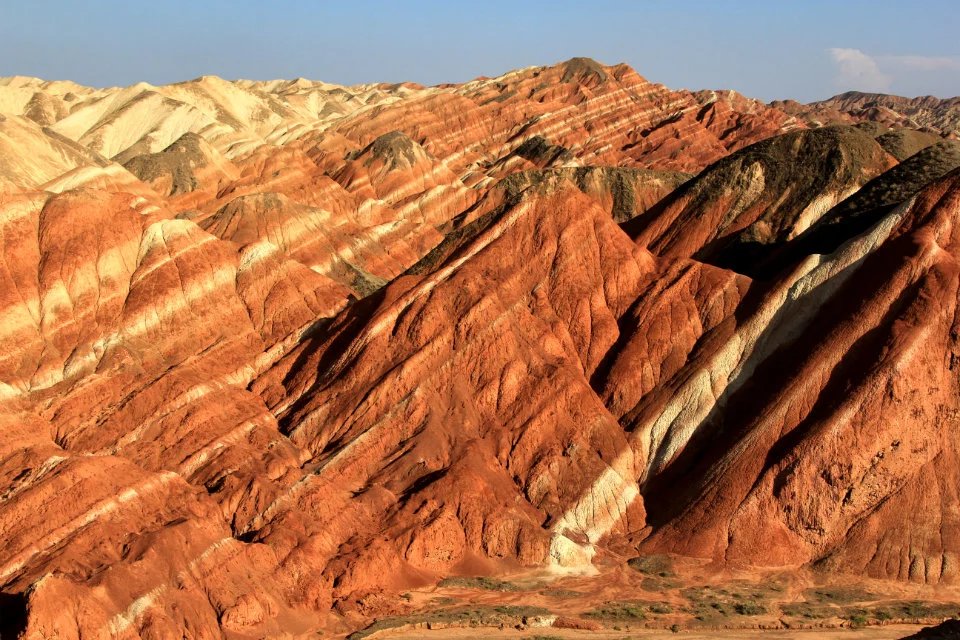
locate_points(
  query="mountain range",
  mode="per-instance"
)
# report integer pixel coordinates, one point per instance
(289, 359)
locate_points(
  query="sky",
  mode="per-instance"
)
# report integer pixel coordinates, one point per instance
(805, 50)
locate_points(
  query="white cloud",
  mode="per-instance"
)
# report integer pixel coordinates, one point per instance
(860, 71)
(857, 70)
(921, 63)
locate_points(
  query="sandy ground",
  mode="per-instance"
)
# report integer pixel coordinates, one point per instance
(883, 633)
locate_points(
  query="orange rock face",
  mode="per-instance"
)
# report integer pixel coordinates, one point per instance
(273, 353)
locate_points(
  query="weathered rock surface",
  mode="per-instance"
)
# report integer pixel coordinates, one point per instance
(273, 352)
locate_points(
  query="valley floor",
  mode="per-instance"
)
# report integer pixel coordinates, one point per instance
(648, 597)
(882, 633)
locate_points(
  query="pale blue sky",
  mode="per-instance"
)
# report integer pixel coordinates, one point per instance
(771, 49)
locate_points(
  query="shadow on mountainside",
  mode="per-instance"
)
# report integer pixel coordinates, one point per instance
(947, 630)
(13, 615)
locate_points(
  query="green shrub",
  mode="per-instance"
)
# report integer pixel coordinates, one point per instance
(882, 614)
(489, 584)
(749, 608)
(857, 619)
(839, 595)
(618, 611)
(655, 565)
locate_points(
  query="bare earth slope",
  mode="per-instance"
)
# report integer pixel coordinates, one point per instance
(275, 353)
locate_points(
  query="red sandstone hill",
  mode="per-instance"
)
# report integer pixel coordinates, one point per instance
(274, 353)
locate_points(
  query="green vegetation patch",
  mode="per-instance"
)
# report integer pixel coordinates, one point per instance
(917, 609)
(487, 584)
(846, 604)
(710, 604)
(655, 565)
(658, 585)
(561, 593)
(858, 618)
(808, 611)
(474, 616)
(629, 610)
(749, 608)
(838, 595)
